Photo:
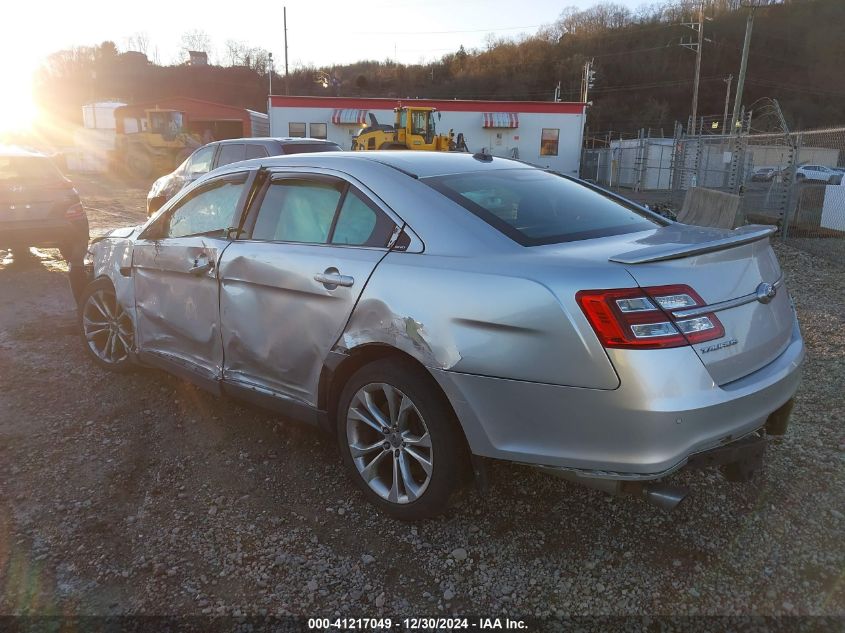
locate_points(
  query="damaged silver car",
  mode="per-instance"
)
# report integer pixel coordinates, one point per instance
(434, 310)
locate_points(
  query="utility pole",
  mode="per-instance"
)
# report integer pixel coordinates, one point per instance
(270, 65)
(728, 81)
(740, 83)
(698, 48)
(287, 79)
(587, 80)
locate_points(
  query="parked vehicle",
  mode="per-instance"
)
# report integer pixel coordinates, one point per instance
(434, 309)
(764, 174)
(217, 154)
(40, 207)
(840, 173)
(816, 173)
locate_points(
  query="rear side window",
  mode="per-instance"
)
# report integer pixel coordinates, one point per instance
(297, 211)
(533, 207)
(231, 153)
(359, 224)
(28, 168)
(307, 148)
(255, 151)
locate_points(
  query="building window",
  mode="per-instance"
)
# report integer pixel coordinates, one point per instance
(318, 130)
(296, 130)
(548, 141)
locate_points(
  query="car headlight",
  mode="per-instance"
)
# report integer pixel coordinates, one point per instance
(158, 185)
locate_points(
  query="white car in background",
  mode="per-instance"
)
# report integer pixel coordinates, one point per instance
(817, 173)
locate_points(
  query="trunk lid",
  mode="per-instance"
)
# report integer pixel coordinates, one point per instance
(728, 269)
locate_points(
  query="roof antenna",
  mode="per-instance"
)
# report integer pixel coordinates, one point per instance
(483, 156)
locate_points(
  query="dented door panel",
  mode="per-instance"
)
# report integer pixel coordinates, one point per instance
(176, 300)
(278, 321)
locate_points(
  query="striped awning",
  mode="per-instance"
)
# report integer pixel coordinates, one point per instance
(500, 119)
(349, 117)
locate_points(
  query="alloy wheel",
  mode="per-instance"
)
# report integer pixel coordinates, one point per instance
(389, 443)
(107, 327)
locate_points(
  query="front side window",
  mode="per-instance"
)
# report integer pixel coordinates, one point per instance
(533, 207)
(549, 141)
(318, 130)
(360, 224)
(297, 211)
(231, 153)
(209, 211)
(296, 130)
(201, 160)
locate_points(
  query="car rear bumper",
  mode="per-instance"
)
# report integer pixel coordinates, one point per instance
(55, 234)
(668, 410)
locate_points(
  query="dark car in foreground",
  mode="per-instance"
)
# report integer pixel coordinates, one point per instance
(219, 153)
(40, 207)
(434, 309)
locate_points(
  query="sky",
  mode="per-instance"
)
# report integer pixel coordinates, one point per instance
(320, 32)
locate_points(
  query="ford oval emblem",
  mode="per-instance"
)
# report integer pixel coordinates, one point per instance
(766, 292)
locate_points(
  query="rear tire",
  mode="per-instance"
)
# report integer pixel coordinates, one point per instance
(399, 439)
(107, 330)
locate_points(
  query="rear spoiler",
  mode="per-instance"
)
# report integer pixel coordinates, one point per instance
(662, 252)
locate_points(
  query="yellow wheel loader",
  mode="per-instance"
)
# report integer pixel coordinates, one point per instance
(414, 128)
(158, 144)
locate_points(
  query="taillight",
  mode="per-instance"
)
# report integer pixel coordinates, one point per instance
(641, 318)
(75, 212)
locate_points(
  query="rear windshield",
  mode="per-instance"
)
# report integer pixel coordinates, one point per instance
(533, 207)
(27, 168)
(307, 148)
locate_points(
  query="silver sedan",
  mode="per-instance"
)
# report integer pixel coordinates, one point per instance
(436, 310)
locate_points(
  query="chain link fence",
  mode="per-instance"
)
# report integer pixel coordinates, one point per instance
(794, 180)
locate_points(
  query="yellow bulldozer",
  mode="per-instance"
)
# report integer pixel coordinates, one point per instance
(414, 128)
(157, 143)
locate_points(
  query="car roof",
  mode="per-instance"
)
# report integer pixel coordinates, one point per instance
(284, 140)
(418, 164)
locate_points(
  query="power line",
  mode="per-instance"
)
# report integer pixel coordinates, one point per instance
(803, 89)
(506, 28)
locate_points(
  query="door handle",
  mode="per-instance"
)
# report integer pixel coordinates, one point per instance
(331, 279)
(201, 266)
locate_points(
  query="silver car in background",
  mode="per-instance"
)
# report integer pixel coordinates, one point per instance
(432, 310)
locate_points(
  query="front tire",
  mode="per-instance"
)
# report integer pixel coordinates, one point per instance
(107, 331)
(399, 439)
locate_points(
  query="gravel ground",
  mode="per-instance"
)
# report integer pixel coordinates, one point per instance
(139, 494)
